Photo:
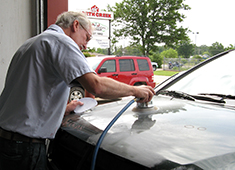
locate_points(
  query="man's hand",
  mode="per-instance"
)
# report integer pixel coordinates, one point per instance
(144, 93)
(71, 106)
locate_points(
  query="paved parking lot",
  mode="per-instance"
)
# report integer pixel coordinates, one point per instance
(159, 79)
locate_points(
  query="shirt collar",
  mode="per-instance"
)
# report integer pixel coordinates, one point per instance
(56, 28)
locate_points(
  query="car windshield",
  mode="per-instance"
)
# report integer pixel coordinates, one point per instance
(216, 77)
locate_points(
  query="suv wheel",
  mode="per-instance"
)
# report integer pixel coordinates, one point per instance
(76, 93)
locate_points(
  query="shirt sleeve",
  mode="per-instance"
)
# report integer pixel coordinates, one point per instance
(68, 61)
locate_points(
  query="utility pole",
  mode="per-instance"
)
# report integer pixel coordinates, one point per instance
(195, 41)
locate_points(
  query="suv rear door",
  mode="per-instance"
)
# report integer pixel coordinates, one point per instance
(126, 70)
(145, 70)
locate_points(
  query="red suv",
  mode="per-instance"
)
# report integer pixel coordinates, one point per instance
(132, 70)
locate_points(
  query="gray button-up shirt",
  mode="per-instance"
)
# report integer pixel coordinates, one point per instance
(36, 90)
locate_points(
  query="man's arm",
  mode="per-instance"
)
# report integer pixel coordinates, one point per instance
(108, 88)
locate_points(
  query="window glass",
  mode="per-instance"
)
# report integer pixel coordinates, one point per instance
(126, 65)
(143, 64)
(215, 77)
(110, 65)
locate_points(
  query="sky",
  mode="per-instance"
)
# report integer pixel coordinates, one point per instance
(210, 20)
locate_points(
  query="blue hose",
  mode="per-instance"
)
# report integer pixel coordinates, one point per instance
(106, 130)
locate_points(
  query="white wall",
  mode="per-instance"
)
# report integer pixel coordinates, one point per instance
(16, 25)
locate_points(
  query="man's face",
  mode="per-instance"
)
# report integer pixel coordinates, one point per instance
(81, 35)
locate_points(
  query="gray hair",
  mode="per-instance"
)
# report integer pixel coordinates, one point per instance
(66, 19)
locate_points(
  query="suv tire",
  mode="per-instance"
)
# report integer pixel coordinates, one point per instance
(76, 93)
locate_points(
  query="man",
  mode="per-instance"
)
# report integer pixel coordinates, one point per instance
(33, 101)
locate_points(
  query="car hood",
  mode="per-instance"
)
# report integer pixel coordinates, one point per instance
(175, 130)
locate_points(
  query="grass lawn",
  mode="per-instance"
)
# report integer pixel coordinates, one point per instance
(165, 73)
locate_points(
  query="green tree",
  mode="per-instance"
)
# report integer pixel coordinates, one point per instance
(149, 22)
(230, 47)
(185, 49)
(156, 57)
(170, 53)
(102, 51)
(216, 48)
(203, 49)
(119, 51)
(198, 57)
(206, 54)
(133, 50)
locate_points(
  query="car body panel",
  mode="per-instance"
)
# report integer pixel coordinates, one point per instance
(185, 133)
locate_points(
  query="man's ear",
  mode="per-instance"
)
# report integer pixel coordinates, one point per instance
(75, 25)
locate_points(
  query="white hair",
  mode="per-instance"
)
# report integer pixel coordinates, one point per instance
(66, 19)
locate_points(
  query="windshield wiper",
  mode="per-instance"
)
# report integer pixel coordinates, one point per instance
(223, 96)
(178, 94)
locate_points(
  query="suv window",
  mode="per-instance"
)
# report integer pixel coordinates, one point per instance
(126, 65)
(110, 65)
(143, 65)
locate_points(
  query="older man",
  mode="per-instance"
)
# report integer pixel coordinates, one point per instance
(33, 101)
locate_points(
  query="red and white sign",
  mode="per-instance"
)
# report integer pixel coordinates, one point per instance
(94, 13)
(101, 28)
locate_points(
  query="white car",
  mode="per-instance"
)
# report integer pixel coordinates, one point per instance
(154, 65)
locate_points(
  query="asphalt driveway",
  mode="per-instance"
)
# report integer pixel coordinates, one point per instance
(159, 79)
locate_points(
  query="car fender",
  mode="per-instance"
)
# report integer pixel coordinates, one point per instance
(139, 79)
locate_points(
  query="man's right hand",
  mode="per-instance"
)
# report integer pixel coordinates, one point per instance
(144, 93)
